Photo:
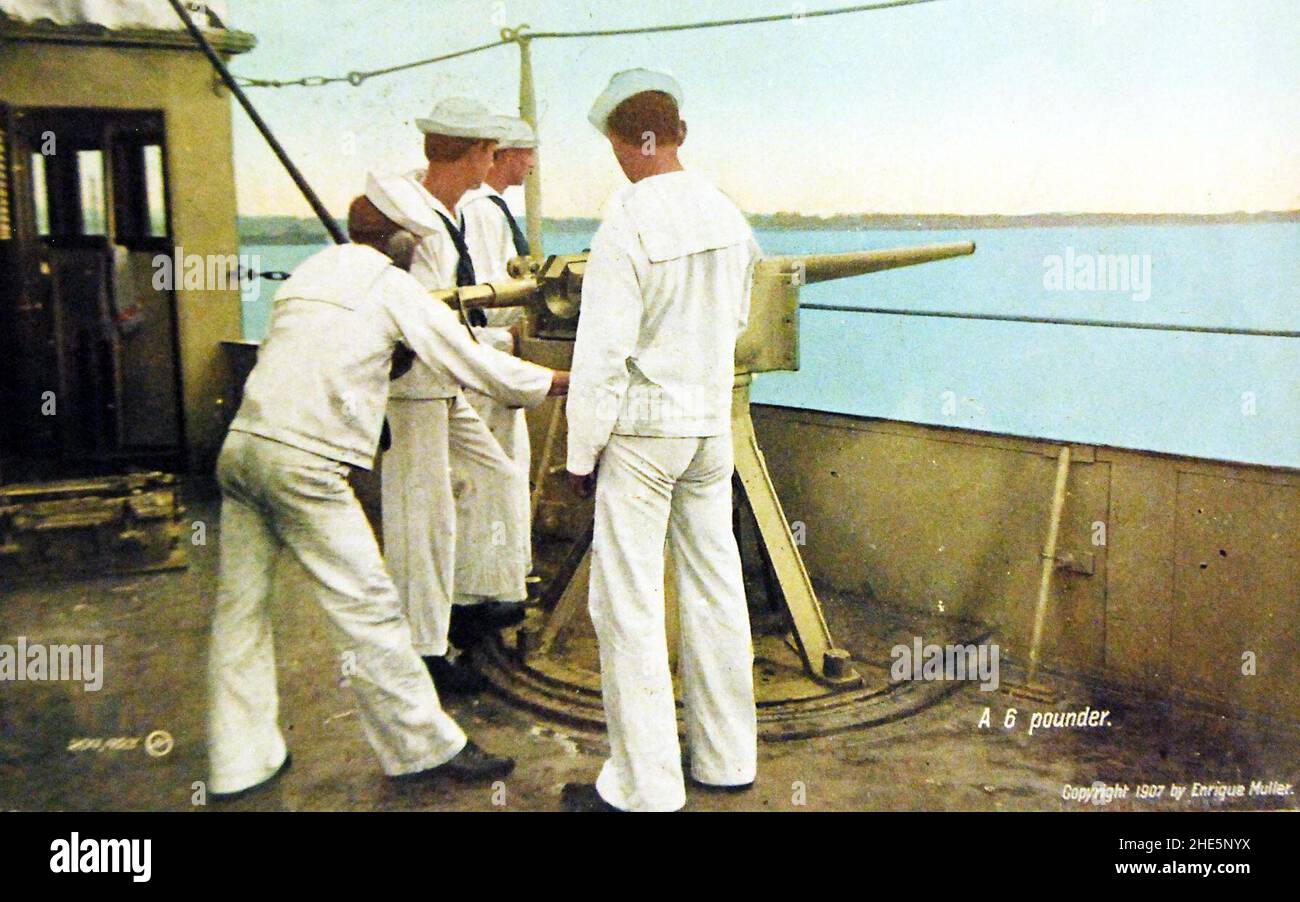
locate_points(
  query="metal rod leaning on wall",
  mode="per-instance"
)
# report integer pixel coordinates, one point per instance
(217, 63)
(1048, 564)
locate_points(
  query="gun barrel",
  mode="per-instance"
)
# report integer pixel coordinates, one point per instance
(507, 293)
(551, 286)
(824, 267)
(557, 282)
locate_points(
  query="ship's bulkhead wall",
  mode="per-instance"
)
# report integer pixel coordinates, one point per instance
(1195, 583)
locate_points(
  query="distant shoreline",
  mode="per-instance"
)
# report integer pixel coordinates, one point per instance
(290, 230)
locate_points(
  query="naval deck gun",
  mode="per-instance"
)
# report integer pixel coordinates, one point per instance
(551, 290)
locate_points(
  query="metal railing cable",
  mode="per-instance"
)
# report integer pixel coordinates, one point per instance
(355, 78)
(226, 76)
(515, 35)
(1055, 321)
(796, 16)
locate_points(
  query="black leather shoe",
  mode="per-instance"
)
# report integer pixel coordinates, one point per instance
(714, 787)
(470, 764)
(256, 788)
(454, 679)
(498, 615)
(464, 631)
(583, 797)
(470, 623)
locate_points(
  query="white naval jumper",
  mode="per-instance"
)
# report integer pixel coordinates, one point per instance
(664, 298)
(313, 407)
(491, 244)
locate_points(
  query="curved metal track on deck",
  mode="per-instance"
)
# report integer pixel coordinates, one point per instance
(568, 695)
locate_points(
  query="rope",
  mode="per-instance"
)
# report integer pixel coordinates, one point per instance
(519, 35)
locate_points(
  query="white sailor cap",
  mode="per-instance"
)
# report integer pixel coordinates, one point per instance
(461, 117)
(518, 133)
(402, 200)
(626, 84)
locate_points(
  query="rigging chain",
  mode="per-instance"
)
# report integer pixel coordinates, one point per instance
(518, 35)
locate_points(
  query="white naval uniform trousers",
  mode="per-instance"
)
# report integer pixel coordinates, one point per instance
(443, 462)
(664, 297)
(277, 498)
(312, 409)
(423, 527)
(650, 489)
(491, 246)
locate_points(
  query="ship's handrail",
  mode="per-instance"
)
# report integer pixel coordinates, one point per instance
(1056, 321)
(516, 35)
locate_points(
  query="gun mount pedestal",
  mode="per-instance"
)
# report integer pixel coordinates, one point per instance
(805, 684)
(821, 660)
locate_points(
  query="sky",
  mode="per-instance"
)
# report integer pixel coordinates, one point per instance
(957, 106)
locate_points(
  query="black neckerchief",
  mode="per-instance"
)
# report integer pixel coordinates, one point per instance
(521, 243)
(464, 265)
(464, 269)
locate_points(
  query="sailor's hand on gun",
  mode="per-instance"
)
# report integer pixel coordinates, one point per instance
(559, 383)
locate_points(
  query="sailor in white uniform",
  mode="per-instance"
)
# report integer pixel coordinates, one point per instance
(493, 233)
(494, 237)
(432, 423)
(312, 409)
(664, 299)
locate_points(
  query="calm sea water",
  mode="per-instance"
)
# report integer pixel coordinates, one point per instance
(1216, 396)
